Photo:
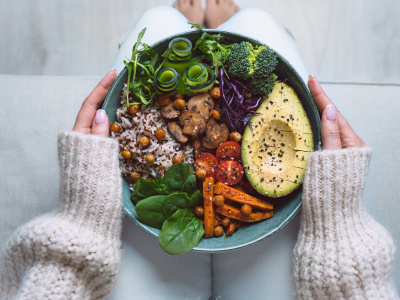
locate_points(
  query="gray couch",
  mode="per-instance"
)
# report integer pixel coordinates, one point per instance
(34, 109)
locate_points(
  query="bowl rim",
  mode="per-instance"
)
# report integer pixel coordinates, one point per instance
(128, 206)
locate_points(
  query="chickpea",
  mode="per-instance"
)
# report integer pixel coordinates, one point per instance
(115, 127)
(180, 104)
(159, 134)
(218, 231)
(163, 100)
(246, 209)
(201, 174)
(144, 141)
(215, 114)
(215, 93)
(150, 159)
(198, 211)
(248, 95)
(178, 158)
(135, 176)
(226, 222)
(178, 96)
(126, 154)
(218, 200)
(235, 136)
(133, 109)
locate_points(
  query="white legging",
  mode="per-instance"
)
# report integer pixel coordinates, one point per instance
(164, 21)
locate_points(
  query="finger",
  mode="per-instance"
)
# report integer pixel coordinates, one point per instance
(348, 136)
(89, 107)
(100, 124)
(330, 131)
(320, 98)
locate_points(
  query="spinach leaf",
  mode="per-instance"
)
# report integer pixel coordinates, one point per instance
(177, 175)
(145, 188)
(190, 185)
(149, 211)
(197, 198)
(158, 180)
(178, 201)
(181, 232)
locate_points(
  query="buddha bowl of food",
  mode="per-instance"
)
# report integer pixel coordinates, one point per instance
(215, 131)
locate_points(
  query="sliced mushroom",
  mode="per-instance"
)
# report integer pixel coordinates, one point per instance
(176, 131)
(193, 123)
(196, 148)
(169, 111)
(202, 104)
(215, 134)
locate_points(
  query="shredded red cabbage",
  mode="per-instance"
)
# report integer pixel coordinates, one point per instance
(236, 110)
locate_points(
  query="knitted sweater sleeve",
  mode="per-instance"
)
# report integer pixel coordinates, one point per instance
(341, 251)
(74, 252)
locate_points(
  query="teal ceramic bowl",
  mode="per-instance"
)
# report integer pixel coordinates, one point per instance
(285, 208)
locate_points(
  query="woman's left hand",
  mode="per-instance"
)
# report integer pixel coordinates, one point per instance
(91, 119)
(336, 132)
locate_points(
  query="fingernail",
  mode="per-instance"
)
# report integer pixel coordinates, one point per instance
(311, 76)
(115, 71)
(331, 113)
(100, 117)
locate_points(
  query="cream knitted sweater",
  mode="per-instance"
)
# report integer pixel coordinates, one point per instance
(73, 253)
(341, 251)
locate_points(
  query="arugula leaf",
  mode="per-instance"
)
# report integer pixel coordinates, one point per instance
(150, 212)
(145, 188)
(177, 175)
(141, 73)
(181, 232)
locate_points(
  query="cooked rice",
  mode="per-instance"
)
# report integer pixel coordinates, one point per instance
(145, 123)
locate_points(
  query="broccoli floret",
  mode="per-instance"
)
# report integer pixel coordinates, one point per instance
(264, 85)
(255, 65)
(241, 61)
(265, 62)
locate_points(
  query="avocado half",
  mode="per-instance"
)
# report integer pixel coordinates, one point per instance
(277, 143)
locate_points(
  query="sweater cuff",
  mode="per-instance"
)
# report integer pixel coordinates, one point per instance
(90, 189)
(334, 182)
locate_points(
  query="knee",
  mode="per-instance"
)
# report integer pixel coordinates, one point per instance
(161, 12)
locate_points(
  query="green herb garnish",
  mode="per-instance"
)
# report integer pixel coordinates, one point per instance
(216, 52)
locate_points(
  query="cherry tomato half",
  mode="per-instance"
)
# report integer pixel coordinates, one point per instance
(228, 151)
(208, 162)
(229, 172)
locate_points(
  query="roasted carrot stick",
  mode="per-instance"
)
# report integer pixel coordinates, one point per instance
(208, 194)
(234, 213)
(240, 197)
(231, 228)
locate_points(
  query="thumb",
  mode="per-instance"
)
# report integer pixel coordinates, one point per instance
(100, 124)
(330, 129)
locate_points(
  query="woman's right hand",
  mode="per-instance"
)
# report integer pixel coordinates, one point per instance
(336, 132)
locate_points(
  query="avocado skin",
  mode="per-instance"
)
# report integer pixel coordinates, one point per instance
(277, 143)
